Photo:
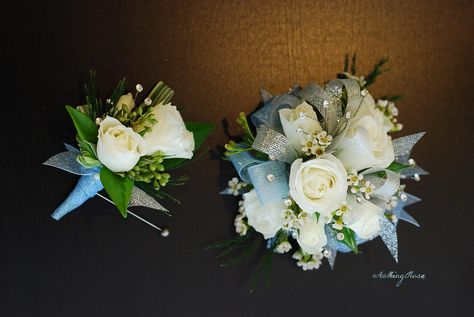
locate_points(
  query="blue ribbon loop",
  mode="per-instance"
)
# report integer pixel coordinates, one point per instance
(242, 161)
(269, 114)
(270, 180)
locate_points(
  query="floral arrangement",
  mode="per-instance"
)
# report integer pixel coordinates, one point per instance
(127, 145)
(320, 173)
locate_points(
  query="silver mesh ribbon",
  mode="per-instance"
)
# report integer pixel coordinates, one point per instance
(140, 198)
(385, 187)
(331, 246)
(327, 101)
(319, 98)
(274, 144)
(67, 161)
(400, 212)
(388, 233)
(410, 172)
(404, 145)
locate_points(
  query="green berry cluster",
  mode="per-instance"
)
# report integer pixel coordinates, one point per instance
(149, 169)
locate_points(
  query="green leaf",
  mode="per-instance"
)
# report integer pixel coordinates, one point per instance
(86, 128)
(353, 67)
(346, 63)
(397, 167)
(118, 91)
(200, 132)
(160, 93)
(245, 129)
(119, 189)
(349, 239)
(376, 72)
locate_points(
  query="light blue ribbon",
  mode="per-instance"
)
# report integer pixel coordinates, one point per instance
(269, 114)
(87, 187)
(242, 161)
(270, 180)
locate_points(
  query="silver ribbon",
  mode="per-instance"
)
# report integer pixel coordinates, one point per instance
(400, 212)
(140, 198)
(331, 246)
(386, 187)
(388, 233)
(404, 145)
(410, 172)
(274, 144)
(67, 161)
(328, 101)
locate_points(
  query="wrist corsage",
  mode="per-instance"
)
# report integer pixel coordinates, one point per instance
(320, 173)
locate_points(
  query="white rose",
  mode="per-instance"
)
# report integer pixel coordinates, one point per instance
(126, 100)
(367, 226)
(364, 143)
(265, 219)
(311, 236)
(169, 134)
(369, 107)
(119, 148)
(291, 121)
(318, 185)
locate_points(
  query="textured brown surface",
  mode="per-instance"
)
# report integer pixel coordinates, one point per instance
(216, 55)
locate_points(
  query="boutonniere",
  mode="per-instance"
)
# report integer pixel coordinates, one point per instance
(127, 144)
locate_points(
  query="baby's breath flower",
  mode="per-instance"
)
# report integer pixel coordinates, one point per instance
(240, 225)
(241, 207)
(308, 262)
(353, 178)
(297, 255)
(367, 189)
(392, 203)
(390, 111)
(324, 138)
(316, 144)
(343, 208)
(235, 186)
(283, 247)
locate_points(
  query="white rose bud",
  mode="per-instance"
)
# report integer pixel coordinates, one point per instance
(318, 185)
(367, 226)
(119, 148)
(311, 236)
(291, 120)
(364, 143)
(265, 219)
(126, 100)
(169, 134)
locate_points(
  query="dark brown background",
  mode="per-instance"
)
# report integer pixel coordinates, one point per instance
(216, 55)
